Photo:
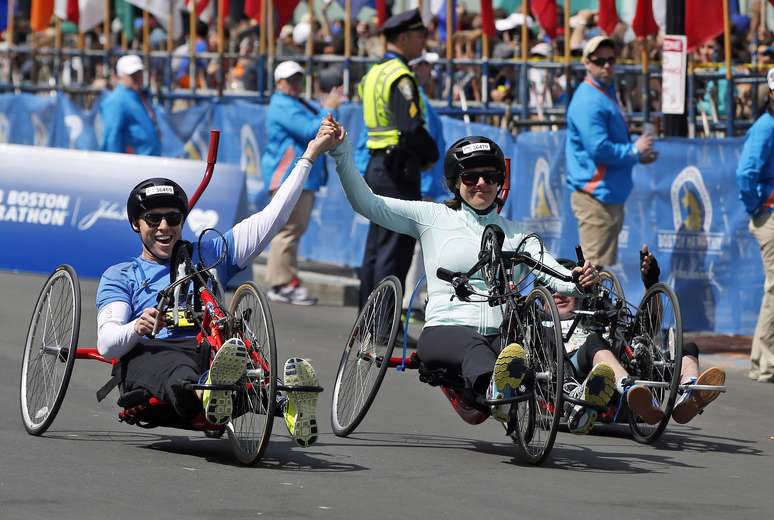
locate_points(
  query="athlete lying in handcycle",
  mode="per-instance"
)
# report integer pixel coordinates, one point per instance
(167, 365)
(462, 336)
(594, 362)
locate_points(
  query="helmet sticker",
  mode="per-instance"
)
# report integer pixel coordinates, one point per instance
(475, 147)
(159, 190)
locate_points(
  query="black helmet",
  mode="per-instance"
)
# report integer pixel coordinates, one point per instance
(471, 152)
(152, 193)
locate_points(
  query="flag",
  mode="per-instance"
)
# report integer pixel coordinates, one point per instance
(357, 5)
(4, 14)
(160, 11)
(644, 23)
(283, 11)
(608, 16)
(67, 10)
(703, 21)
(126, 12)
(41, 13)
(545, 12)
(487, 18)
(431, 8)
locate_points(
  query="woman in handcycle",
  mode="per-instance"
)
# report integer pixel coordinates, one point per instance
(461, 336)
(587, 349)
(127, 313)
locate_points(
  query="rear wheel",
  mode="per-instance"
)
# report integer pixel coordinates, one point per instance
(657, 348)
(49, 352)
(256, 399)
(609, 283)
(366, 356)
(537, 419)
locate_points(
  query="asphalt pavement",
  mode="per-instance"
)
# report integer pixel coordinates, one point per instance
(412, 457)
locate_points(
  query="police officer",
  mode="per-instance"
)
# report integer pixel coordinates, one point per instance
(399, 145)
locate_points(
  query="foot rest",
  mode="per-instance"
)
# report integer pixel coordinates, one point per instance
(134, 398)
(581, 402)
(316, 389)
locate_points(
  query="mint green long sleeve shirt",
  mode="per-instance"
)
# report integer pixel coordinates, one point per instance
(450, 239)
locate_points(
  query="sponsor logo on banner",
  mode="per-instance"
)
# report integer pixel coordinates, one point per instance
(544, 209)
(106, 210)
(199, 219)
(691, 216)
(4, 129)
(195, 148)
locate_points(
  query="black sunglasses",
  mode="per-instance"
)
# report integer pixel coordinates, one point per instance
(173, 218)
(471, 179)
(601, 62)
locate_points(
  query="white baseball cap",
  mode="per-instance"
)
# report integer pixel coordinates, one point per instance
(511, 22)
(770, 78)
(425, 57)
(301, 32)
(128, 65)
(286, 69)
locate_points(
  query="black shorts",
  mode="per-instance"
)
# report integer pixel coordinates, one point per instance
(159, 366)
(462, 350)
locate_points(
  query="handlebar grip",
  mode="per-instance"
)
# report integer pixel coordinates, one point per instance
(445, 274)
(579, 255)
(212, 151)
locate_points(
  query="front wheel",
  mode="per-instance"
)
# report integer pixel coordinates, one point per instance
(366, 356)
(256, 399)
(49, 352)
(538, 327)
(657, 355)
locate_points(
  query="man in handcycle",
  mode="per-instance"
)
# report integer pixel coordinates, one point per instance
(464, 337)
(127, 313)
(587, 349)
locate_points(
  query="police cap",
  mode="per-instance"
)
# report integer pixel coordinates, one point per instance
(404, 22)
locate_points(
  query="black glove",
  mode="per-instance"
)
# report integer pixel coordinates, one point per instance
(651, 277)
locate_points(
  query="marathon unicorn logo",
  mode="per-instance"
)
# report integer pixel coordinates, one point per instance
(691, 216)
(544, 209)
(250, 163)
(4, 129)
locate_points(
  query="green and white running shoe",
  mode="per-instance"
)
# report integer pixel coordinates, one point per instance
(227, 368)
(509, 370)
(300, 411)
(597, 389)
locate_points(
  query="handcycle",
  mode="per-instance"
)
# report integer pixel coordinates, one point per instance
(530, 319)
(193, 299)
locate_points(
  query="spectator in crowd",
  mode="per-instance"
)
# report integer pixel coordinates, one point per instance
(399, 144)
(182, 65)
(755, 179)
(128, 119)
(291, 122)
(600, 156)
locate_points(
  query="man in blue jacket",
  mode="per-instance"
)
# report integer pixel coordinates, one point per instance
(600, 155)
(291, 122)
(128, 120)
(755, 180)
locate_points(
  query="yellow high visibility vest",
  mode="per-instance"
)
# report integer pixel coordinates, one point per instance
(374, 90)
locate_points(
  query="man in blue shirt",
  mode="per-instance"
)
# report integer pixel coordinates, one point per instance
(128, 120)
(755, 180)
(600, 155)
(291, 122)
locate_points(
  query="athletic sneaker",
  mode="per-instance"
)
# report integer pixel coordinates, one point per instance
(292, 292)
(301, 407)
(509, 370)
(227, 367)
(692, 402)
(643, 404)
(597, 389)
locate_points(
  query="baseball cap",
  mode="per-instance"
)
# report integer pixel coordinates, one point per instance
(128, 65)
(593, 44)
(426, 57)
(286, 69)
(511, 22)
(541, 49)
(770, 78)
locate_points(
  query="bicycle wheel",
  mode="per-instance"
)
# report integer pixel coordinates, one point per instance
(366, 356)
(255, 401)
(49, 351)
(658, 354)
(492, 241)
(609, 282)
(537, 419)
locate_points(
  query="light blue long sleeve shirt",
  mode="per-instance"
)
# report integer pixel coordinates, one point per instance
(755, 173)
(127, 125)
(290, 125)
(599, 155)
(450, 239)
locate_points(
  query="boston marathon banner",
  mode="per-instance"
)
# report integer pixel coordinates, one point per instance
(684, 206)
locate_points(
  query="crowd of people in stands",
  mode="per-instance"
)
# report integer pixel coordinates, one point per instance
(546, 90)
